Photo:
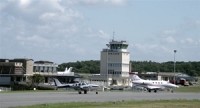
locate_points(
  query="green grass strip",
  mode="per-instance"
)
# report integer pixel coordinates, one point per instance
(124, 104)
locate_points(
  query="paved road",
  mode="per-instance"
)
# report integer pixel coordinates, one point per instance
(30, 98)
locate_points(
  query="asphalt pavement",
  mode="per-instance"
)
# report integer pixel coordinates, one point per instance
(31, 98)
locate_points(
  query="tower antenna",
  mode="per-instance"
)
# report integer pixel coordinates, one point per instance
(113, 36)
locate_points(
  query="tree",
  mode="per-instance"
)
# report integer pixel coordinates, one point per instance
(36, 79)
(93, 67)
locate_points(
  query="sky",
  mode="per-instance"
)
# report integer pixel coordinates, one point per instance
(64, 31)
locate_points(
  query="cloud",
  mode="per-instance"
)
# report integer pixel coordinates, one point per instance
(187, 32)
(43, 14)
(184, 37)
(169, 32)
(168, 40)
(167, 37)
(33, 40)
(51, 26)
(24, 3)
(97, 34)
(117, 2)
(147, 51)
(189, 40)
(103, 35)
(113, 2)
(98, 2)
(58, 28)
(69, 16)
(150, 48)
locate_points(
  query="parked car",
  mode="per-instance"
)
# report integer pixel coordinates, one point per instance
(117, 88)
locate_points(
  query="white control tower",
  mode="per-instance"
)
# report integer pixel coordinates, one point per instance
(114, 65)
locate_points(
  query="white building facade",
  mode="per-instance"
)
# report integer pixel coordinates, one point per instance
(114, 64)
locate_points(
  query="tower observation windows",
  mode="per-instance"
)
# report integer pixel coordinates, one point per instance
(118, 46)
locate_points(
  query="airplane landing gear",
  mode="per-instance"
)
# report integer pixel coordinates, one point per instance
(85, 91)
(79, 92)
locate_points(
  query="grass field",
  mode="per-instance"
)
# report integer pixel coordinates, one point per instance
(124, 104)
(195, 89)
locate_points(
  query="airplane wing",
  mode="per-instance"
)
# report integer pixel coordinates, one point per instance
(90, 87)
(153, 87)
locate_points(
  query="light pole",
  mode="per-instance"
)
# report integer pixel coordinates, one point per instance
(175, 66)
(107, 64)
(107, 67)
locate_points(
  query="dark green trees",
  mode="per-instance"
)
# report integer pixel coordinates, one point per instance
(93, 67)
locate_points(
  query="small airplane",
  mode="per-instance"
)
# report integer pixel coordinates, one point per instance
(67, 71)
(152, 84)
(81, 86)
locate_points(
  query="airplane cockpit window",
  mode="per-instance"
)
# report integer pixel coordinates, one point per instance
(83, 83)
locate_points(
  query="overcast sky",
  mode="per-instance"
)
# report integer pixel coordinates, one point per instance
(76, 30)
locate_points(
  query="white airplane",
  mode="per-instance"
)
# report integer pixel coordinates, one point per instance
(81, 86)
(152, 84)
(67, 71)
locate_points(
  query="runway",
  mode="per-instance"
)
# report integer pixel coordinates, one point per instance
(31, 98)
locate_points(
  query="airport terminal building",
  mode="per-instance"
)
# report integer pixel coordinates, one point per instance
(15, 70)
(18, 70)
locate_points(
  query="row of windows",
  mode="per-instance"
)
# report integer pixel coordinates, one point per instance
(117, 72)
(117, 65)
(118, 46)
(111, 72)
(157, 82)
(44, 69)
(114, 65)
(116, 53)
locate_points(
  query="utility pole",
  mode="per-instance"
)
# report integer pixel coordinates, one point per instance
(175, 66)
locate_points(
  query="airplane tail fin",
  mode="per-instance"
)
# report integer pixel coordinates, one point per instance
(68, 70)
(136, 77)
(57, 82)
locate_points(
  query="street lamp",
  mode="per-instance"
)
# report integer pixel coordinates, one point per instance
(174, 66)
(107, 64)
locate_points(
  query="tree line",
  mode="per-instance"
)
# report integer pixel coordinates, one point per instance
(93, 67)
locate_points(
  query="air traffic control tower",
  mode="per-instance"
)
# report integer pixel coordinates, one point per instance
(115, 62)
